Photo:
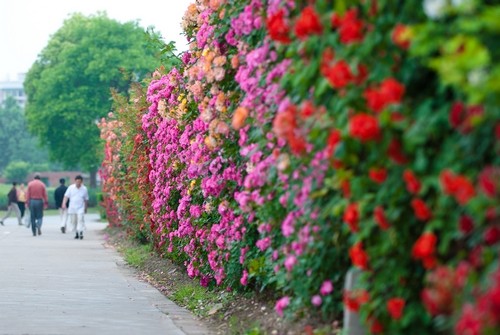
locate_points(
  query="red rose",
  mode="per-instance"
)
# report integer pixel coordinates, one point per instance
(428, 298)
(351, 31)
(307, 109)
(397, 117)
(364, 127)
(470, 321)
(339, 74)
(438, 296)
(373, 8)
(395, 307)
(456, 114)
(493, 296)
(351, 217)
(447, 180)
(476, 256)
(422, 212)
(392, 90)
(412, 183)
(497, 131)
(337, 164)
(474, 113)
(424, 249)
(395, 152)
(350, 27)
(360, 78)
(389, 92)
(358, 256)
(326, 58)
(308, 23)
(374, 100)
(375, 326)
(378, 175)
(400, 36)
(491, 213)
(278, 28)
(333, 140)
(492, 235)
(458, 186)
(465, 190)
(336, 20)
(466, 224)
(285, 122)
(297, 143)
(461, 274)
(463, 118)
(380, 219)
(285, 125)
(424, 246)
(429, 262)
(436, 301)
(489, 179)
(354, 299)
(346, 188)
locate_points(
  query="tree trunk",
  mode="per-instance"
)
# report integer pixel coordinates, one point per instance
(93, 178)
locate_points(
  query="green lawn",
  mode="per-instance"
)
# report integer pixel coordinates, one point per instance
(91, 210)
(4, 189)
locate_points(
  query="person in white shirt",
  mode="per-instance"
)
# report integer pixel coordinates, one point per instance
(78, 197)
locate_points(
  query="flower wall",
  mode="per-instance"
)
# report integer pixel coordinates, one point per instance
(300, 139)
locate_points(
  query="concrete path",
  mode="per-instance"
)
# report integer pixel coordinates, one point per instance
(54, 284)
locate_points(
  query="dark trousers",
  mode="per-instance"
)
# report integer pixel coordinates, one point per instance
(36, 210)
(22, 207)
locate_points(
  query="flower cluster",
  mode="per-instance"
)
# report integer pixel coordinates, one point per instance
(298, 140)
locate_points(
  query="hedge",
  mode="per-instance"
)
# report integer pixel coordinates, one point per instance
(300, 139)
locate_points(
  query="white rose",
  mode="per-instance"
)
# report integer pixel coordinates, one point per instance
(434, 8)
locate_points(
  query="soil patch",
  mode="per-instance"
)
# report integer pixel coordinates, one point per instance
(224, 312)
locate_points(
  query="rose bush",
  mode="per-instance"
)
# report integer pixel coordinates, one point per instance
(299, 139)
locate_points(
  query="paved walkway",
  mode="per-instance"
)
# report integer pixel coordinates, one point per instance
(54, 284)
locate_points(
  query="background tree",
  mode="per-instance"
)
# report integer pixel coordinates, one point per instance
(17, 171)
(68, 87)
(16, 142)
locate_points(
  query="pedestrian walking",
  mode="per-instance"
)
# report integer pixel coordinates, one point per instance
(37, 199)
(78, 198)
(21, 199)
(12, 205)
(58, 197)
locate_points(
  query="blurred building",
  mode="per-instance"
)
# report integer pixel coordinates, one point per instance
(13, 88)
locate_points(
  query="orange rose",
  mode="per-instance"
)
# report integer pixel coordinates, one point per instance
(239, 117)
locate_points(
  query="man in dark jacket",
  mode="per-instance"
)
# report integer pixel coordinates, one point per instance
(58, 197)
(12, 205)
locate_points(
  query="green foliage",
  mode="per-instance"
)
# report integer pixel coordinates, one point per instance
(16, 142)
(136, 256)
(17, 171)
(4, 189)
(166, 53)
(41, 167)
(254, 331)
(93, 196)
(68, 87)
(464, 51)
(195, 298)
